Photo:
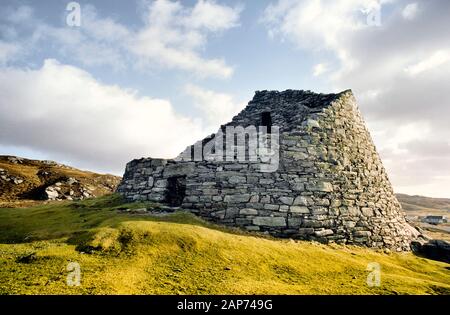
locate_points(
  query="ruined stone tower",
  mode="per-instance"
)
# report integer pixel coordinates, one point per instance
(313, 173)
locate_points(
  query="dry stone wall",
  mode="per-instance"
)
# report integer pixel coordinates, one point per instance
(329, 186)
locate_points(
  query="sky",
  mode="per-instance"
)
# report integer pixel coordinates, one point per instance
(95, 84)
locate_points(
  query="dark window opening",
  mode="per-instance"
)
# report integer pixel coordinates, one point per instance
(266, 120)
(176, 190)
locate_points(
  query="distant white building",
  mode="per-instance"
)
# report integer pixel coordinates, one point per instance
(435, 219)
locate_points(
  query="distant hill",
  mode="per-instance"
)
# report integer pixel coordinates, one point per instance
(418, 203)
(417, 207)
(25, 182)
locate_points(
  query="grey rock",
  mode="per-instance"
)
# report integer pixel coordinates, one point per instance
(312, 123)
(237, 198)
(299, 209)
(287, 200)
(320, 186)
(324, 233)
(248, 211)
(270, 221)
(52, 193)
(237, 179)
(179, 169)
(71, 181)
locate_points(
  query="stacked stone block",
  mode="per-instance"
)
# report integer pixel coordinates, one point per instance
(330, 184)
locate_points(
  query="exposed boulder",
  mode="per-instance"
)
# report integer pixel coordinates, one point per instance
(52, 193)
(6, 177)
(69, 189)
(432, 249)
(15, 160)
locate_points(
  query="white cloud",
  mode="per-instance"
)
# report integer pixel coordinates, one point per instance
(435, 60)
(63, 110)
(103, 29)
(173, 36)
(398, 70)
(320, 25)
(218, 108)
(8, 51)
(212, 16)
(394, 141)
(315, 24)
(319, 69)
(410, 11)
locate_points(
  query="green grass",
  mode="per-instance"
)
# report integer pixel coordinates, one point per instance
(181, 254)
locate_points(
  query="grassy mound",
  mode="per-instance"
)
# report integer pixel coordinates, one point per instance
(180, 254)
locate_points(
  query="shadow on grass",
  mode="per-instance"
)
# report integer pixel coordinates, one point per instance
(79, 219)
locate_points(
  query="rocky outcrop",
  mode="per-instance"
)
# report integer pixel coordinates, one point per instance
(23, 181)
(328, 183)
(432, 249)
(6, 177)
(70, 189)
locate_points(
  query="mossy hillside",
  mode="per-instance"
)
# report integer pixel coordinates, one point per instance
(65, 219)
(180, 254)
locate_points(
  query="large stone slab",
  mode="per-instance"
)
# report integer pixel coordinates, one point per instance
(270, 221)
(179, 169)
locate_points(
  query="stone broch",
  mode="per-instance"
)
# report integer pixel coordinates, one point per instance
(330, 185)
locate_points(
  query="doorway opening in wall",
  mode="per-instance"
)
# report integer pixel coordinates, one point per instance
(266, 120)
(176, 190)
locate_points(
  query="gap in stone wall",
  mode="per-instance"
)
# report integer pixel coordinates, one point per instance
(176, 190)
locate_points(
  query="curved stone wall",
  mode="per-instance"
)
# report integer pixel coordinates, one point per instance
(329, 184)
